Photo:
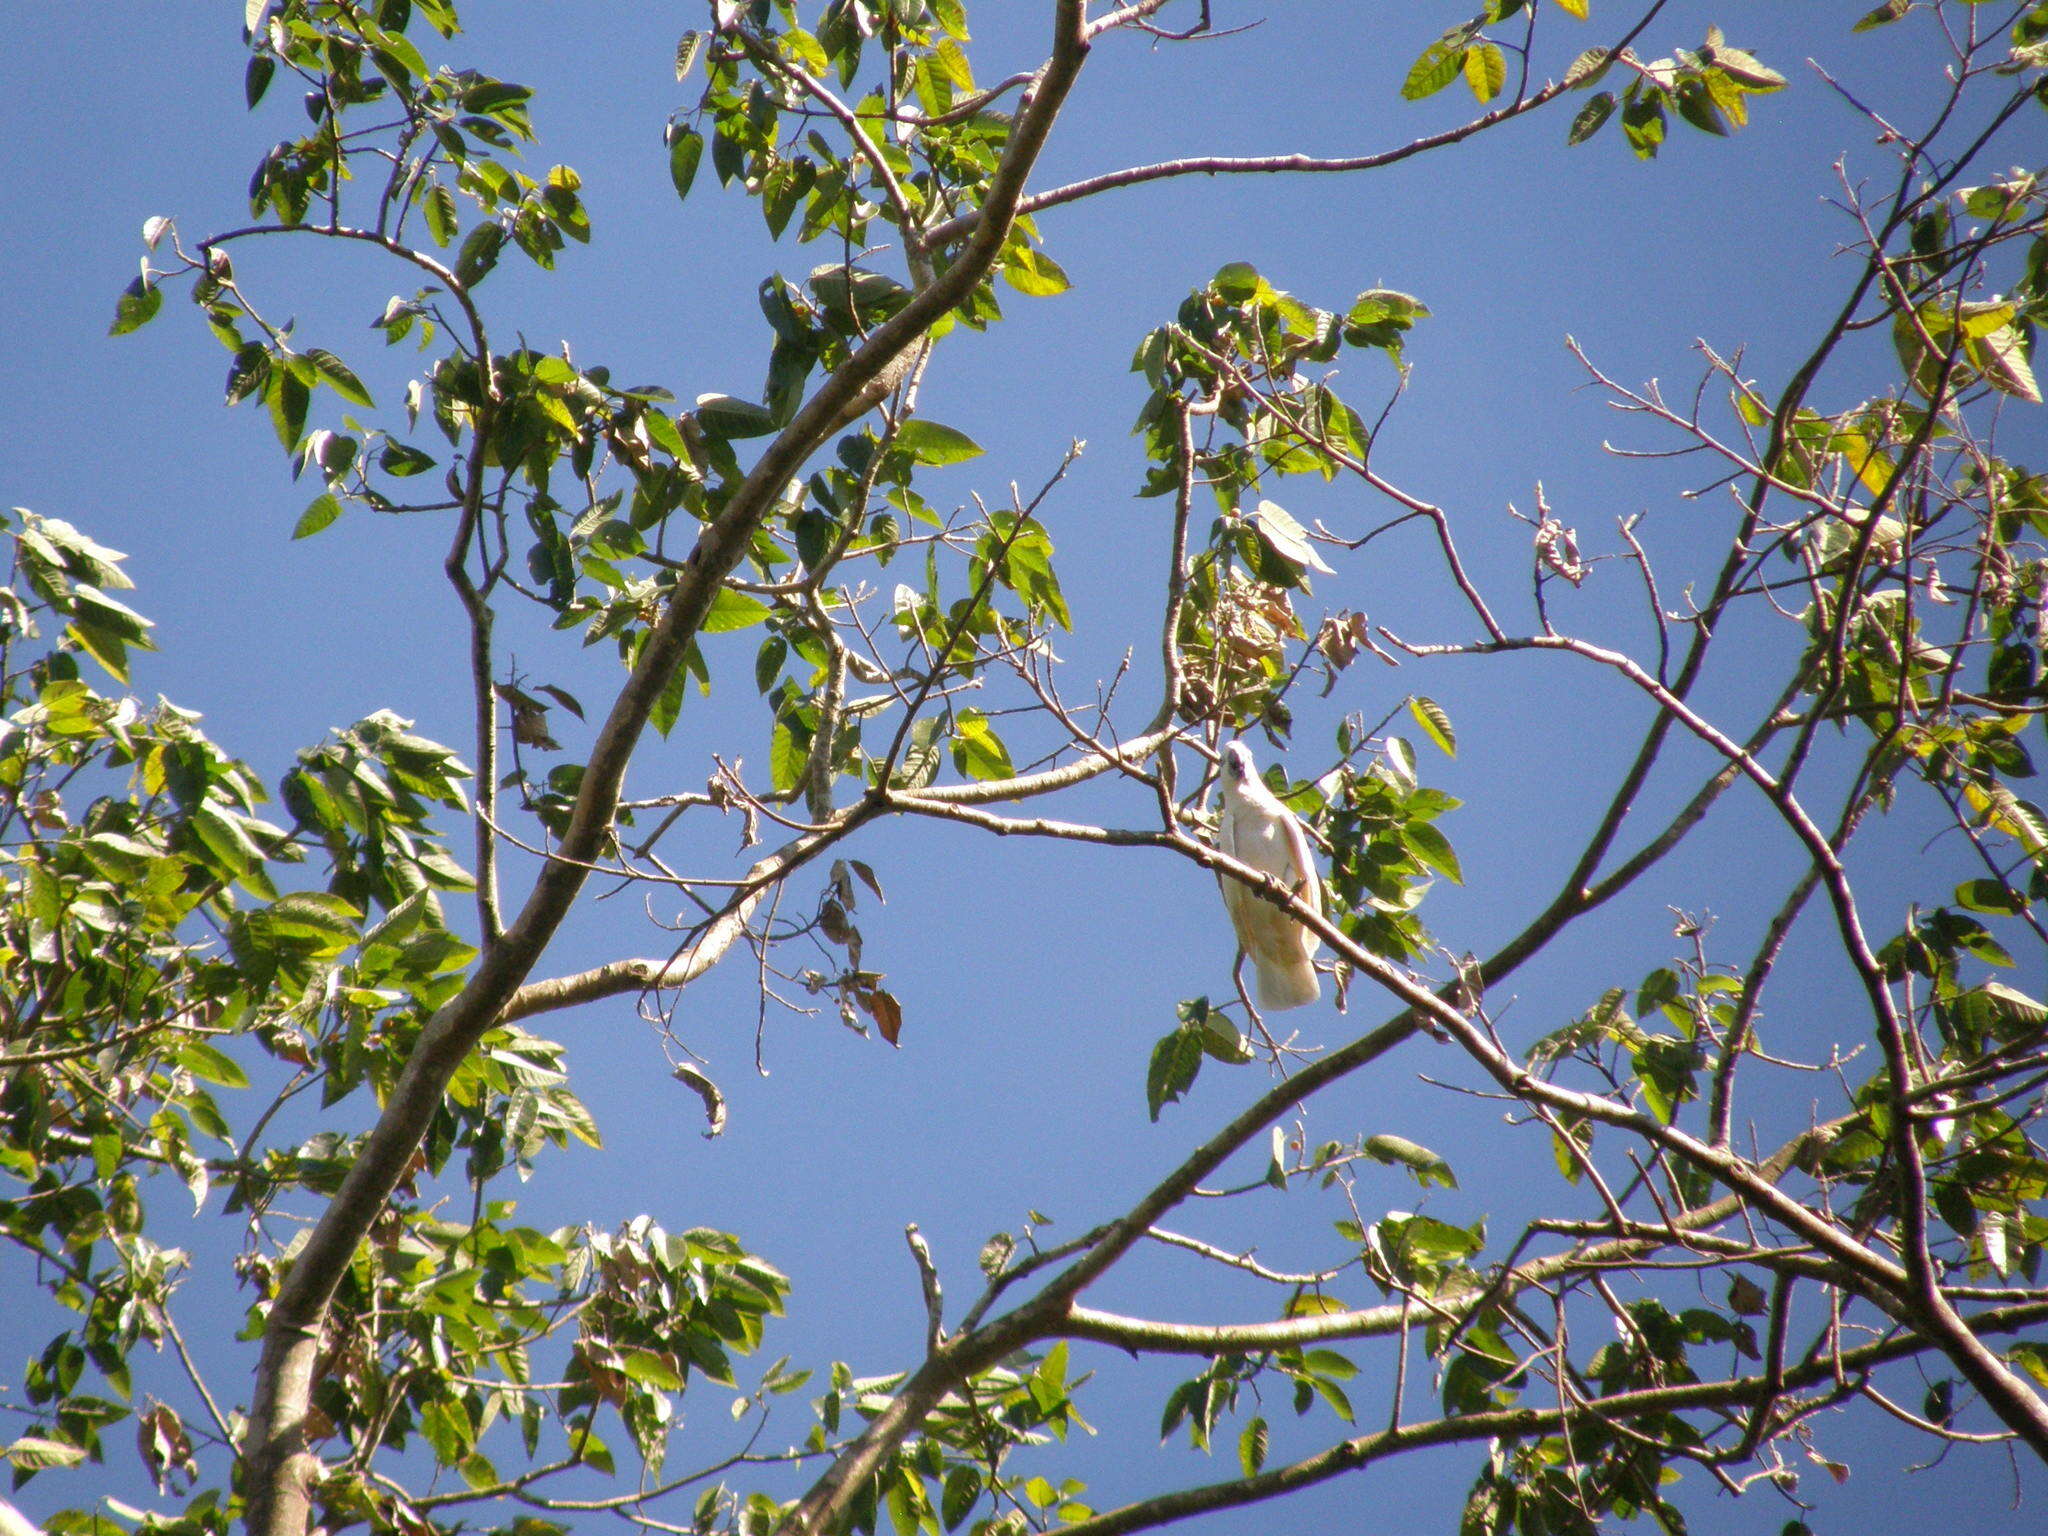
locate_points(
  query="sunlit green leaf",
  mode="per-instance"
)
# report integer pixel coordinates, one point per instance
(319, 513)
(1435, 723)
(139, 304)
(732, 610)
(929, 442)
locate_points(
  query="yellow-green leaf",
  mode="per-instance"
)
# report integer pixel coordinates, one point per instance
(1486, 70)
(1435, 723)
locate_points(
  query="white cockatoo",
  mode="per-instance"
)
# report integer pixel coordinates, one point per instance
(1254, 828)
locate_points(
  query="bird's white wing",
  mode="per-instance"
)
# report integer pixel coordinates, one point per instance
(1301, 875)
(1257, 830)
(1236, 895)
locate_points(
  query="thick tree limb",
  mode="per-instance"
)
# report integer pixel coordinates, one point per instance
(277, 1467)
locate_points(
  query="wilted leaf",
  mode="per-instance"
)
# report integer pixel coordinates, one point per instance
(883, 1009)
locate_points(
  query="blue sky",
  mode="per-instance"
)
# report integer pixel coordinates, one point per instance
(1034, 977)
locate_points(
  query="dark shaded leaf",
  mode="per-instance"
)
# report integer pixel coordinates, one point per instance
(479, 254)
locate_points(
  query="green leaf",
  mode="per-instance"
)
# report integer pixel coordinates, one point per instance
(1659, 993)
(399, 59)
(1436, 725)
(689, 48)
(685, 149)
(1890, 11)
(1587, 123)
(1237, 282)
(1587, 68)
(314, 914)
(321, 511)
(479, 254)
(401, 459)
(2031, 1358)
(439, 210)
(730, 417)
(1751, 73)
(1034, 273)
(732, 610)
(140, 301)
(785, 757)
(1426, 1165)
(1697, 106)
(1987, 895)
(977, 751)
(1251, 1447)
(339, 377)
(650, 1370)
(928, 442)
(256, 78)
(1335, 1396)
(1642, 123)
(850, 293)
(1176, 1059)
(211, 1065)
(288, 397)
(1437, 68)
(33, 1453)
(1486, 70)
(1433, 848)
(1380, 317)
(2010, 1013)
(962, 1489)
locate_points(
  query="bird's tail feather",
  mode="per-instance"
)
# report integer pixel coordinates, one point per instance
(1286, 984)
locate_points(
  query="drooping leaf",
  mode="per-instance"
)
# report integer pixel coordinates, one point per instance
(438, 207)
(1486, 70)
(339, 377)
(319, 513)
(1176, 1061)
(1587, 121)
(689, 48)
(1435, 723)
(685, 150)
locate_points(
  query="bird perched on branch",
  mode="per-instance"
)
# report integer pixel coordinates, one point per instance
(1256, 829)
